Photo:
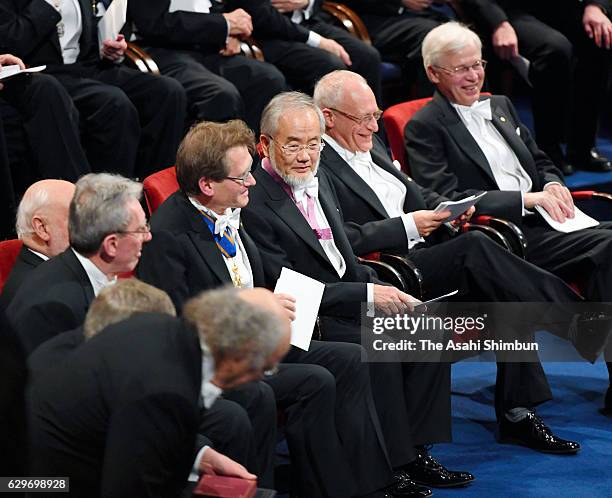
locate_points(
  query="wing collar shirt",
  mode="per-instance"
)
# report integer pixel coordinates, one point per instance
(69, 28)
(241, 260)
(98, 279)
(390, 191)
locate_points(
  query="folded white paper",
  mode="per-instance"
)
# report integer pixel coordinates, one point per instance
(14, 70)
(308, 293)
(578, 222)
(113, 20)
(457, 208)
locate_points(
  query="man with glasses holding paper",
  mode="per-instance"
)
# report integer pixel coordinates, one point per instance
(199, 243)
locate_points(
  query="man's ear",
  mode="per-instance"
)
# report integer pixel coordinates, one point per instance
(207, 186)
(329, 118)
(109, 247)
(264, 142)
(432, 75)
(40, 228)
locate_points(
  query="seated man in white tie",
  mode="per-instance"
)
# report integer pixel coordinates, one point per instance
(463, 142)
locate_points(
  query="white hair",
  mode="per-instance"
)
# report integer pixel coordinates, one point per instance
(447, 38)
(32, 202)
(329, 90)
(284, 102)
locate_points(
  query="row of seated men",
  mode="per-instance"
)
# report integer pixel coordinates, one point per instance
(91, 114)
(325, 191)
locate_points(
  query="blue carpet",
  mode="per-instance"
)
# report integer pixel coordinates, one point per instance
(510, 471)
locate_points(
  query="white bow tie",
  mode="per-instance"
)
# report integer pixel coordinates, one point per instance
(229, 218)
(311, 189)
(481, 108)
(363, 158)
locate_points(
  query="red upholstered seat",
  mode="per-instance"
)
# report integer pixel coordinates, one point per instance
(159, 186)
(9, 250)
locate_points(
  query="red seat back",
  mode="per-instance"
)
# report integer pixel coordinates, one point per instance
(159, 186)
(9, 250)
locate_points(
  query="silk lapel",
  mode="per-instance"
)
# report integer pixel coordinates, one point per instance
(284, 207)
(340, 168)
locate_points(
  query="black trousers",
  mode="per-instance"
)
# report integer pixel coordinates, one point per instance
(398, 38)
(132, 122)
(568, 71)
(412, 399)
(303, 65)
(221, 88)
(8, 204)
(340, 436)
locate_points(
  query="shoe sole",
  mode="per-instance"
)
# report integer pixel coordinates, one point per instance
(518, 442)
(445, 486)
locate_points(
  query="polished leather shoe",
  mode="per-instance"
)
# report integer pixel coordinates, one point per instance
(404, 486)
(590, 160)
(425, 469)
(535, 434)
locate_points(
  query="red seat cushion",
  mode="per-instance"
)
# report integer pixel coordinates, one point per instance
(9, 250)
(159, 186)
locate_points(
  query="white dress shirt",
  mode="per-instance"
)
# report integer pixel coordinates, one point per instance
(390, 191)
(42, 256)
(97, 278)
(72, 26)
(241, 260)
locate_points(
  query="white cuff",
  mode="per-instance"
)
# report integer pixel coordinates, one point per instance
(314, 39)
(229, 28)
(194, 476)
(412, 232)
(370, 311)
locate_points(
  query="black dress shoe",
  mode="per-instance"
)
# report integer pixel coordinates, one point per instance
(590, 160)
(426, 470)
(535, 434)
(555, 154)
(589, 332)
(403, 486)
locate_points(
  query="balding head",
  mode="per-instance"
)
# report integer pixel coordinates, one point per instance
(42, 216)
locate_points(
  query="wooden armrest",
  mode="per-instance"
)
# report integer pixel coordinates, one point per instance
(251, 49)
(349, 19)
(141, 59)
(513, 234)
(386, 273)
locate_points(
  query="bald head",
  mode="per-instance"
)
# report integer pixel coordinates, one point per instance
(42, 216)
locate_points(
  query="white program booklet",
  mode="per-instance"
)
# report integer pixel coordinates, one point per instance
(308, 293)
(457, 208)
(14, 70)
(578, 222)
(112, 22)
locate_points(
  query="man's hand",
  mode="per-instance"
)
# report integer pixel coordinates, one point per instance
(231, 48)
(335, 48)
(427, 221)
(215, 463)
(240, 23)
(505, 41)
(284, 6)
(597, 26)
(563, 194)
(10, 60)
(417, 5)
(391, 300)
(464, 218)
(114, 49)
(287, 302)
(555, 205)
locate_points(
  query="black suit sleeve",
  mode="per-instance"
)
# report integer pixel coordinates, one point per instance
(156, 25)
(375, 7)
(164, 265)
(339, 299)
(269, 23)
(486, 14)
(149, 447)
(23, 31)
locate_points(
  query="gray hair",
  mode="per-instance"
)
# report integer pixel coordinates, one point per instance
(329, 90)
(284, 102)
(99, 208)
(121, 300)
(28, 206)
(447, 38)
(230, 327)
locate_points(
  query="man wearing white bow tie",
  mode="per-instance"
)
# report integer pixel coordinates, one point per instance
(455, 150)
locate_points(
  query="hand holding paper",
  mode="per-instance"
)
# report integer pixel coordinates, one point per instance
(457, 208)
(108, 29)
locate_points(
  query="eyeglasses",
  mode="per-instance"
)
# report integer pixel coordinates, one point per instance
(479, 65)
(240, 179)
(295, 149)
(142, 230)
(360, 120)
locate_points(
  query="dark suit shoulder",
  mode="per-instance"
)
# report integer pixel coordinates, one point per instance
(174, 214)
